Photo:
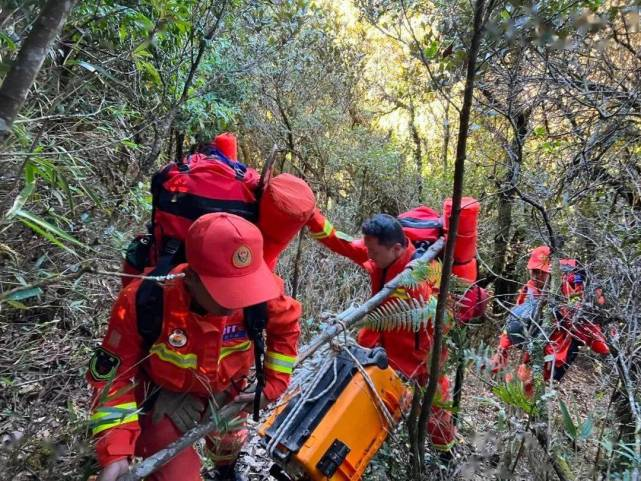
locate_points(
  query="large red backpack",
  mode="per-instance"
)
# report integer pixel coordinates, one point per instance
(201, 184)
(182, 192)
(422, 226)
(205, 183)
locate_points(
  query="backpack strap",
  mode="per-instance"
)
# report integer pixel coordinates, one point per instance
(420, 223)
(256, 322)
(149, 297)
(238, 167)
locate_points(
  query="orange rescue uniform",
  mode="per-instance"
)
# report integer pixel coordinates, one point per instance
(199, 354)
(408, 352)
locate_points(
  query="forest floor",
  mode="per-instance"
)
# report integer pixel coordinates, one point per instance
(44, 397)
(480, 453)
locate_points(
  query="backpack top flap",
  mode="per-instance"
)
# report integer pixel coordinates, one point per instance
(421, 224)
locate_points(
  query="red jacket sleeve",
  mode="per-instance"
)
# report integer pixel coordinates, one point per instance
(322, 230)
(113, 367)
(368, 338)
(520, 299)
(282, 333)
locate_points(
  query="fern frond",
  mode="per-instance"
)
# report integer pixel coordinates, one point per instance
(430, 272)
(400, 314)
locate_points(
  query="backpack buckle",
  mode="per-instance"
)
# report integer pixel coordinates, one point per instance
(171, 246)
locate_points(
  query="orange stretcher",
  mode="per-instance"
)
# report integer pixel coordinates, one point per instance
(339, 428)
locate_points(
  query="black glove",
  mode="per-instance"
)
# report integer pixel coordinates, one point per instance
(184, 409)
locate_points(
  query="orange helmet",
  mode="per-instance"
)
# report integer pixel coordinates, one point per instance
(540, 259)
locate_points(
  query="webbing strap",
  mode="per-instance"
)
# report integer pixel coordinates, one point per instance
(255, 322)
(149, 297)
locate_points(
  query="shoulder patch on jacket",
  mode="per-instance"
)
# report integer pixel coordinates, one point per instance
(103, 365)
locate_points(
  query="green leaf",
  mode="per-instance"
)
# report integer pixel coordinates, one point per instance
(7, 41)
(141, 51)
(47, 230)
(46, 235)
(29, 174)
(25, 293)
(570, 427)
(513, 394)
(17, 305)
(586, 428)
(150, 70)
(431, 50)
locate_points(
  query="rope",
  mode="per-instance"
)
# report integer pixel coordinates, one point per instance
(387, 416)
(304, 399)
(168, 277)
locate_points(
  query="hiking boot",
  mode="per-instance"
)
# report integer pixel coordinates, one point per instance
(446, 462)
(228, 473)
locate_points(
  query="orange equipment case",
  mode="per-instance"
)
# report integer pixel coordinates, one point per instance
(339, 428)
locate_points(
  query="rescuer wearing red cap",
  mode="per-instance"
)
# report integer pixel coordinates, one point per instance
(145, 397)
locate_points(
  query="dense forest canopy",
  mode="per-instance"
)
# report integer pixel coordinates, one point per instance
(363, 101)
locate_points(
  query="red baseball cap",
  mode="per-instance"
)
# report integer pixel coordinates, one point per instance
(540, 259)
(226, 251)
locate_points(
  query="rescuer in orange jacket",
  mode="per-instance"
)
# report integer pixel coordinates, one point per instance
(145, 397)
(383, 252)
(568, 333)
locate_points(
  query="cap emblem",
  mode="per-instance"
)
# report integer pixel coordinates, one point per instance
(242, 257)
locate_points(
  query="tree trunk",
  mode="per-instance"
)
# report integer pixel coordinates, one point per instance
(24, 70)
(459, 172)
(446, 136)
(418, 154)
(180, 140)
(503, 286)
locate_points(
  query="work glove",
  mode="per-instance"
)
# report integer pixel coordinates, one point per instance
(113, 471)
(184, 409)
(247, 398)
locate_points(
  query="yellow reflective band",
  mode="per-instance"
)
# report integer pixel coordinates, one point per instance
(444, 447)
(183, 361)
(326, 232)
(343, 236)
(400, 293)
(107, 417)
(226, 351)
(279, 362)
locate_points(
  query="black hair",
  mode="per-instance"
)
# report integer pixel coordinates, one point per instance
(386, 229)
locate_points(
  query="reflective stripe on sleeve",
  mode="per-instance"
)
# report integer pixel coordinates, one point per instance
(226, 351)
(326, 232)
(107, 417)
(184, 361)
(343, 236)
(279, 362)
